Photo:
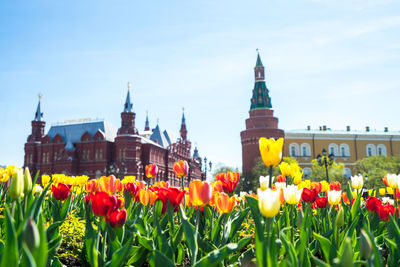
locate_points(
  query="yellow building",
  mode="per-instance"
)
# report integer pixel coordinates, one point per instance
(347, 145)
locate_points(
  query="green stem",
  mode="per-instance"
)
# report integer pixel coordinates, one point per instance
(194, 256)
(268, 247)
(13, 209)
(270, 177)
(104, 244)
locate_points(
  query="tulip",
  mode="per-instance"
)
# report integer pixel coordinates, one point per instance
(297, 178)
(128, 179)
(357, 182)
(91, 186)
(292, 194)
(385, 211)
(16, 189)
(365, 245)
(117, 218)
(305, 184)
(271, 151)
(264, 180)
(373, 204)
(388, 200)
(384, 179)
(334, 197)
(146, 197)
(132, 189)
(281, 179)
(37, 189)
(151, 171)
(217, 186)
(340, 218)
(291, 169)
(392, 180)
(389, 190)
(224, 203)
(334, 186)
(61, 191)
(317, 186)
(27, 181)
(181, 168)
(229, 180)
(199, 193)
(45, 180)
(6, 173)
(31, 235)
(173, 195)
(103, 203)
(324, 186)
(309, 195)
(110, 184)
(268, 202)
(382, 191)
(321, 202)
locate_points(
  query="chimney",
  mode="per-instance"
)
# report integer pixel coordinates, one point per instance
(308, 127)
(324, 127)
(367, 128)
(386, 129)
(348, 128)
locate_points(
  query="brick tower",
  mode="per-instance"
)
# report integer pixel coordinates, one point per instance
(261, 122)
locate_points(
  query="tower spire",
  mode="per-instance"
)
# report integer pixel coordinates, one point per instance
(183, 130)
(128, 104)
(147, 124)
(260, 98)
(39, 113)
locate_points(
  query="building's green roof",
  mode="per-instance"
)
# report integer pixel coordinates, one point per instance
(259, 63)
(260, 97)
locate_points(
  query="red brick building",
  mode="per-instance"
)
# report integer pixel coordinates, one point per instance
(261, 122)
(96, 148)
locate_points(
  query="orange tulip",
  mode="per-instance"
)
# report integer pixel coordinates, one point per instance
(161, 184)
(146, 195)
(181, 168)
(214, 196)
(187, 200)
(110, 184)
(224, 203)
(91, 186)
(151, 170)
(217, 186)
(199, 192)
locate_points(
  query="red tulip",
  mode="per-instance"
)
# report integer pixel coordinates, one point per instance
(117, 218)
(281, 179)
(384, 212)
(309, 195)
(373, 204)
(103, 203)
(91, 186)
(181, 168)
(171, 194)
(321, 202)
(334, 186)
(132, 189)
(151, 170)
(229, 181)
(88, 198)
(61, 191)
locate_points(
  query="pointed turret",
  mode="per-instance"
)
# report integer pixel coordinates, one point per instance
(196, 153)
(260, 98)
(127, 117)
(183, 130)
(39, 113)
(147, 124)
(128, 105)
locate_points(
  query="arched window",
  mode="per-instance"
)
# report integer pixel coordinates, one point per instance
(371, 150)
(333, 149)
(294, 150)
(382, 150)
(347, 172)
(305, 150)
(344, 150)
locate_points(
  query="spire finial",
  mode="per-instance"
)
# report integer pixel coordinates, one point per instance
(40, 96)
(129, 85)
(147, 113)
(128, 104)
(39, 114)
(158, 120)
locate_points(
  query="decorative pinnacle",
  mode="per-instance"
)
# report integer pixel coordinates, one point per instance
(129, 85)
(40, 96)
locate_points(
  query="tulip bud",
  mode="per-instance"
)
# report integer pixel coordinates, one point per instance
(365, 245)
(31, 235)
(27, 181)
(340, 218)
(16, 189)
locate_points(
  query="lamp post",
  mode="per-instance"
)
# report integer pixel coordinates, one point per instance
(206, 167)
(326, 161)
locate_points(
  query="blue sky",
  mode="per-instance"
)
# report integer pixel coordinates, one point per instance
(332, 63)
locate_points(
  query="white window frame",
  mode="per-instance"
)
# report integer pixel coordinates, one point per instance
(296, 149)
(373, 150)
(383, 148)
(335, 149)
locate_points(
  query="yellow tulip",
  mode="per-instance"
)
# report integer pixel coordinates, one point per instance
(297, 178)
(392, 180)
(292, 194)
(382, 191)
(37, 189)
(16, 189)
(324, 186)
(268, 202)
(271, 151)
(45, 180)
(128, 179)
(264, 181)
(370, 192)
(389, 190)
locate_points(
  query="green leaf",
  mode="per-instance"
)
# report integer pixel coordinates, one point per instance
(346, 259)
(237, 221)
(10, 256)
(216, 256)
(118, 258)
(27, 258)
(190, 238)
(146, 242)
(40, 253)
(138, 257)
(377, 256)
(158, 259)
(217, 229)
(290, 249)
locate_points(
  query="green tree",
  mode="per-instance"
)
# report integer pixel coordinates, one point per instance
(335, 172)
(222, 168)
(375, 168)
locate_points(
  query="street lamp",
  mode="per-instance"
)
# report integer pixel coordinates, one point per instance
(206, 167)
(325, 161)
